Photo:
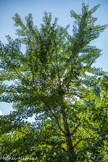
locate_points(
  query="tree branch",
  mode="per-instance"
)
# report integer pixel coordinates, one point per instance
(55, 119)
(59, 135)
(87, 131)
(80, 141)
(63, 149)
(75, 129)
(57, 122)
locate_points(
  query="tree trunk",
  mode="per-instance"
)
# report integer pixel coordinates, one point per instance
(70, 148)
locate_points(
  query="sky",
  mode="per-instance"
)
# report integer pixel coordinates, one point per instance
(58, 8)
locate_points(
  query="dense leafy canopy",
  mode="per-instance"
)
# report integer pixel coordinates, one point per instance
(55, 80)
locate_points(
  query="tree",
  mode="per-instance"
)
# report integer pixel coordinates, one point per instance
(55, 80)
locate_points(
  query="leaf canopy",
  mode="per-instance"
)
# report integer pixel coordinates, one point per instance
(55, 80)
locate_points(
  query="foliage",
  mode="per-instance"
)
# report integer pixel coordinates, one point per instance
(54, 79)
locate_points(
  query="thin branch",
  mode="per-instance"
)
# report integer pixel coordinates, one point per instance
(21, 131)
(75, 129)
(57, 122)
(81, 133)
(80, 141)
(50, 81)
(87, 131)
(59, 135)
(63, 149)
(55, 118)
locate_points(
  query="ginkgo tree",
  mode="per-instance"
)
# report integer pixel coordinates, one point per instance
(55, 80)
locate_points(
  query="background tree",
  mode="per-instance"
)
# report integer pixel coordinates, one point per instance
(55, 80)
